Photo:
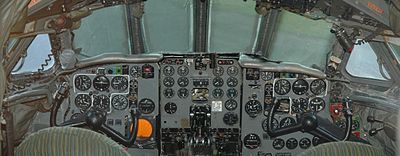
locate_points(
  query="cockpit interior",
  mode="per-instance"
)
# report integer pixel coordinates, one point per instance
(199, 77)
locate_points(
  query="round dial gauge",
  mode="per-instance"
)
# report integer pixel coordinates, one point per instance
(232, 82)
(300, 87)
(299, 105)
(231, 93)
(318, 86)
(146, 106)
(183, 70)
(251, 141)
(170, 108)
(119, 83)
(287, 122)
(282, 87)
(119, 102)
(168, 70)
(82, 82)
(136, 71)
(169, 93)
(169, 81)
(230, 118)
(218, 93)
(101, 102)
(231, 105)
(183, 93)
(267, 76)
(183, 81)
(291, 143)
(233, 71)
(83, 101)
(101, 83)
(253, 108)
(317, 104)
(278, 143)
(218, 71)
(218, 82)
(275, 124)
(305, 143)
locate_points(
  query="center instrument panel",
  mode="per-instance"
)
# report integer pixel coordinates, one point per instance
(201, 103)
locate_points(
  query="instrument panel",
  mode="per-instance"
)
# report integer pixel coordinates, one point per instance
(115, 89)
(208, 104)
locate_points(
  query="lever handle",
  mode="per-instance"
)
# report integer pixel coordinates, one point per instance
(374, 131)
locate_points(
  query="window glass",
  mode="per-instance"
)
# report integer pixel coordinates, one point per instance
(37, 55)
(233, 26)
(301, 40)
(396, 51)
(168, 25)
(104, 31)
(363, 63)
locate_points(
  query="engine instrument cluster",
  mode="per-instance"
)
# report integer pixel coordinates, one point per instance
(209, 104)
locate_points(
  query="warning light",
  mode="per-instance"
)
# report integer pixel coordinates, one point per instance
(145, 129)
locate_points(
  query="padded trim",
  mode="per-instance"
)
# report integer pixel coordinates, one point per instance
(69, 141)
(343, 148)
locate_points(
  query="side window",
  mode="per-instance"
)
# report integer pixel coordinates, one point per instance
(38, 56)
(364, 63)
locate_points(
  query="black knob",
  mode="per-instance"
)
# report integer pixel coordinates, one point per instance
(95, 118)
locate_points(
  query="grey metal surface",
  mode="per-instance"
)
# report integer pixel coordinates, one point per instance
(118, 58)
(287, 67)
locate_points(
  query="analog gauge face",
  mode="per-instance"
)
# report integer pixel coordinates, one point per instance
(231, 93)
(83, 101)
(218, 82)
(231, 105)
(230, 118)
(169, 93)
(136, 71)
(119, 102)
(101, 102)
(282, 87)
(291, 143)
(317, 104)
(232, 71)
(232, 82)
(253, 108)
(168, 81)
(183, 81)
(318, 86)
(300, 87)
(278, 143)
(304, 143)
(183, 93)
(218, 93)
(275, 124)
(119, 83)
(218, 71)
(287, 122)
(170, 108)
(251, 141)
(168, 70)
(101, 83)
(267, 76)
(82, 82)
(299, 105)
(183, 71)
(146, 106)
